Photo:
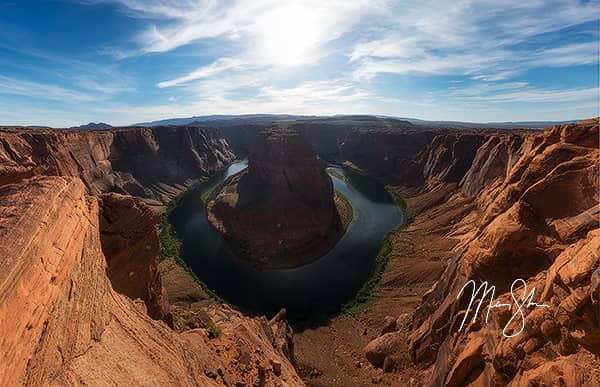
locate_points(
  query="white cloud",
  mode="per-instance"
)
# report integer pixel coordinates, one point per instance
(218, 66)
(269, 55)
(566, 55)
(518, 92)
(470, 64)
(107, 87)
(546, 95)
(478, 38)
(315, 93)
(304, 24)
(42, 90)
(321, 97)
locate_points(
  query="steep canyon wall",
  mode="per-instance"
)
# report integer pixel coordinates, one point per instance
(70, 252)
(152, 163)
(81, 297)
(533, 214)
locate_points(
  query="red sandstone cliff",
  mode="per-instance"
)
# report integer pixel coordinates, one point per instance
(153, 163)
(523, 204)
(281, 211)
(531, 212)
(80, 292)
(131, 246)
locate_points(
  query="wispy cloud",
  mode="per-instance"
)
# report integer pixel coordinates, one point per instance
(212, 69)
(566, 55)
(179, 23)
(546, 95)
(478, 38)
(315, 93)
(321, 97)
(42, 90)
(110, 87)
(508, 92)
(428, 58)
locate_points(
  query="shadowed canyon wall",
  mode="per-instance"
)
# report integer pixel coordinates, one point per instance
(153, 163)
(70, 313)
(532, 200)
(81, 297)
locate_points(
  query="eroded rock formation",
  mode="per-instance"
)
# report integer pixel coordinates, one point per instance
(131, 247)
(281, 212)
(533, 214)
(153, 163)
(80, 294)
(514, 204)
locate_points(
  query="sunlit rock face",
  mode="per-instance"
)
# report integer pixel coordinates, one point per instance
(280, 211)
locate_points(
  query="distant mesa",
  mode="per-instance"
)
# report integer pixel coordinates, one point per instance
(280, 212)
(94, 126)
(225, 120)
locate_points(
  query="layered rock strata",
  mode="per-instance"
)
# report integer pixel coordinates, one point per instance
(281, 211)
(532, 200)
(514, 204)
(152, 163)
(81, 297)
(130, 244)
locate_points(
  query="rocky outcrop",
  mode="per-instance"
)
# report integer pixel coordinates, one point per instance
(424, 157)
(152, 163)
(281, 212)
(81, 296)
(61, 322)
(131, 247)
(326, 136)
(535, 217)
(386, 152)
(448, 157)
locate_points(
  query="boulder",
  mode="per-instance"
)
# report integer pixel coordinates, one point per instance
(380, 348)
(389, 325)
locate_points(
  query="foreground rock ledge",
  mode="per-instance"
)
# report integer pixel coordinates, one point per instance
(281, 211)
(81, 299)
(62, 323)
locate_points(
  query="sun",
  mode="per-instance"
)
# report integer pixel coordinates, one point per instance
(288, 35)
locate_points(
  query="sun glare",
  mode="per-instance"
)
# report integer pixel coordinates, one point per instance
(288, 35)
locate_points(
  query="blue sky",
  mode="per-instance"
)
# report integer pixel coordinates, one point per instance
(69, 62)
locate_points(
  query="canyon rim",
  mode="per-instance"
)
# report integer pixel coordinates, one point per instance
(81, 271)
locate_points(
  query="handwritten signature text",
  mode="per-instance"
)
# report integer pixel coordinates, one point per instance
(517, 305)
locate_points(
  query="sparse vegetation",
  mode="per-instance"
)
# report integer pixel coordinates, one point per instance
(211, 191)
(365, 294)
(344, 209)
(401, 203)
(171, 244)
(214, 331)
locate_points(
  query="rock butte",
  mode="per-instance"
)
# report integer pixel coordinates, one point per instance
(280, 211)
(78, 210)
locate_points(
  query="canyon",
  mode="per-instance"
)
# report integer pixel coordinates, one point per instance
(84, 299)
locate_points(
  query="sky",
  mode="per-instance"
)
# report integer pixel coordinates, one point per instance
(65, 63)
